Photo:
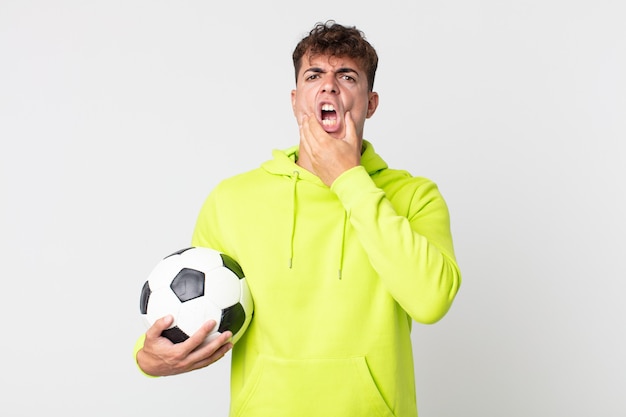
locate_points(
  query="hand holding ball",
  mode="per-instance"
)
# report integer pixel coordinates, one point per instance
(195, 285)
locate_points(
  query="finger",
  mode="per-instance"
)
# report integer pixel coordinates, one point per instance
(215, 356)
(158, 326)
(306, 137)
(303, 126)
(302, 118)
(303, 138)
(315, 129)
(223, 350)
(217, 342)
(215, 349)
(200, 335)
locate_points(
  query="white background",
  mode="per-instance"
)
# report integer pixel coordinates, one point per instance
(118, 117)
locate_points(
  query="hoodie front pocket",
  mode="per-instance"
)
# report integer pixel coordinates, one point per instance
(307, 388)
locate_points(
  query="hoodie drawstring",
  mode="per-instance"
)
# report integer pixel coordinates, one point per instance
(295, 177)
(343, 243)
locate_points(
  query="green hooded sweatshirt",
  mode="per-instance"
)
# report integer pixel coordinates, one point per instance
(337, 275)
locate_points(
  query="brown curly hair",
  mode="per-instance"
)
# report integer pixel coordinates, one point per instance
(333, 39)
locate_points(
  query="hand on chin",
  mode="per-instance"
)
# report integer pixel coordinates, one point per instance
(328, 154)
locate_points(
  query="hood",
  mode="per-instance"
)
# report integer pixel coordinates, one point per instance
(284, 164)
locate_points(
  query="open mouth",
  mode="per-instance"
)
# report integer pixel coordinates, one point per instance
(328, 116)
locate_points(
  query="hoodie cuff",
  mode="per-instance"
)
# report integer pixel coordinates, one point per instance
(352, 185)
(136, 349)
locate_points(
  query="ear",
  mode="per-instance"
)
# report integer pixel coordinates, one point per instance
(372, 104)
(293, 101)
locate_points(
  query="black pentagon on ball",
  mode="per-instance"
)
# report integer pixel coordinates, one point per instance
(231, 264)
(233, 318)
(179, 252)
(188, 284)
(175, 334)
(145, 296)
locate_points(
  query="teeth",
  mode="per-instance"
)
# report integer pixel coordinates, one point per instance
(329, 122)
(328, 107)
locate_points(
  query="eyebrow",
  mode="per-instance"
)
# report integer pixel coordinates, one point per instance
(342, 70)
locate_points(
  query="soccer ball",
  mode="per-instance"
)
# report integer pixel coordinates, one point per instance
(195, 285)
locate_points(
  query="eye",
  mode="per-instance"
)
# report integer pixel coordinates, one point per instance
(312, 77)
(348, 78)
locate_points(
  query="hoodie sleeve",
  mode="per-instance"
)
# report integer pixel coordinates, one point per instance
(208, 231)
(408, 242)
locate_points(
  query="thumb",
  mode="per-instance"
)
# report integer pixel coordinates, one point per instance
(350, 136)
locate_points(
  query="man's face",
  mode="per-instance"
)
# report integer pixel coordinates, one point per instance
(329, 86)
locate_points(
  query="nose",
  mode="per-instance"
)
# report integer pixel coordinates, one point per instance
(330, 86)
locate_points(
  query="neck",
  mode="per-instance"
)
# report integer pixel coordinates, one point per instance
(304, 161)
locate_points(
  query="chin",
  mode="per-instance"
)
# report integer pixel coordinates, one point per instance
(336, 132)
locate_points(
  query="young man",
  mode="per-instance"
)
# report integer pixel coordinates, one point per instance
(340, 252)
